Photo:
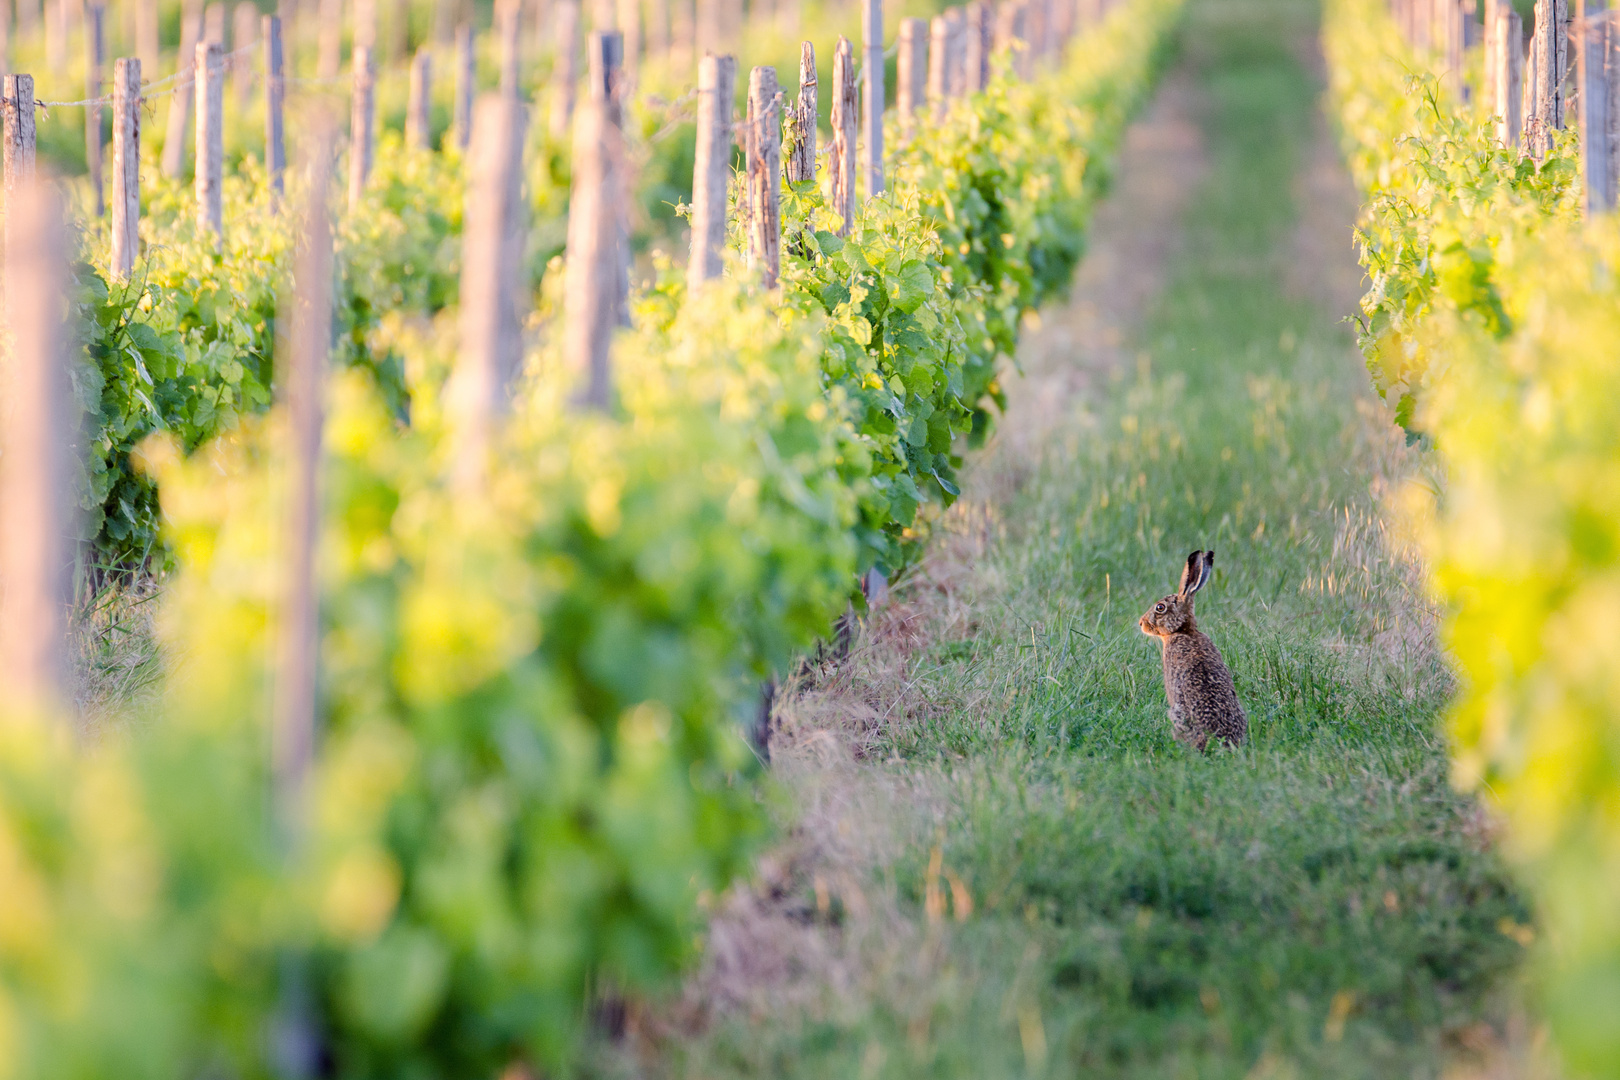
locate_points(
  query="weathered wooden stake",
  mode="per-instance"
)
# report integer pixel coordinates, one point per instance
(912, 72)
(956, 35)
(419, 109)
(244, 32)
(309, 345)
(1550, 51)
(764, 176)
(801, 165)
(717, 89)
(1012, 35)
(180, 104)
(466, 85)
(938, 44)
(34, 448)
(1592, 59)
(275, 88)
(362, 110)
(845, 118)
(565, 68)
(95, 59)
(594, 261)
(872, 97)
(126, 171)
(1507, 62)
(210, 138)
(509, 30)
(981, 41)
(605, 75)
(1488, 51)
(492, 297)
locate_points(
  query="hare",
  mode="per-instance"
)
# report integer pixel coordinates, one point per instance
(1203, 702)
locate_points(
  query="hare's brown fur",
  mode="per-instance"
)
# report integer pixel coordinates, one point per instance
(1203, 701)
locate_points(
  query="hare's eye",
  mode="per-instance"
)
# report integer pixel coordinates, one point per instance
(1159, 607)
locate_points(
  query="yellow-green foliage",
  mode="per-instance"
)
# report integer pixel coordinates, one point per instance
(1496, 314)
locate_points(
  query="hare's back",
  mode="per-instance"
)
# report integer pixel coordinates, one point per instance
(1201, 686)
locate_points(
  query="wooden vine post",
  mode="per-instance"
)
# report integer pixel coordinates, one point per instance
(845, 119)
(938, 45)
(956, 33)
(466, 85)
(174, 137)
(801, 164)
(275, 88)
(329, 57)
(1547, 69)
(764, 176)
(362, 137)
(19, 136)
(95, 59)
(419, 108)
(210, 139)
(981, 41)
(912, 68)
(872, 103)
(629, 27)
(717, 88)
(126, 170)
(1592, 62)
(308, 351)
(565, 68)
(1506, 62)
(34, 447)
(605, 73)
(491, 272)
(595, 240)
(1488, 51)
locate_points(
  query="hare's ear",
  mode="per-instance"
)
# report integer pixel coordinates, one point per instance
(1189, 575)
(1207, 569)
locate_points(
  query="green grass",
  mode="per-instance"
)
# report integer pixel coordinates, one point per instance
(1318, 903)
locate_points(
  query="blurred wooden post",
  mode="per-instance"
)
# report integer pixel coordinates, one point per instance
(1593, 101)
(801, 165)
(180, 104)
(565, 68)
(629, 26)
(244, 32)
(419, 109)
(717, 88)
(329, 55)
(509, 31)
(1011, 34)
(34, 449)
(845, 118)
(1035, 32)
(364, 35)
(1063, 22)
(491, 272)
(872, 38)
(309, 345)
(95, 58)
(5, 37)
(1488, 50)
(938, 43)
(466, 80)
(444, 21)
(210, 138)
(605, 74)
(981, 40)
(593, 262)
(275, 84)
(764, 163)
(956, 35)
(911, 72)
(126, 170)
(146, 33)
(1506, 61)
(362, 138)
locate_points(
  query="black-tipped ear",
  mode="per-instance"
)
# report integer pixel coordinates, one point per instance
(1205, 570)
(1189, 574)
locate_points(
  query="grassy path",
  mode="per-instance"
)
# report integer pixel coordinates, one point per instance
(1001, 864)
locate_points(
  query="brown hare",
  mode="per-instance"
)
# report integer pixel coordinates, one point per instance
(1203, 702)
